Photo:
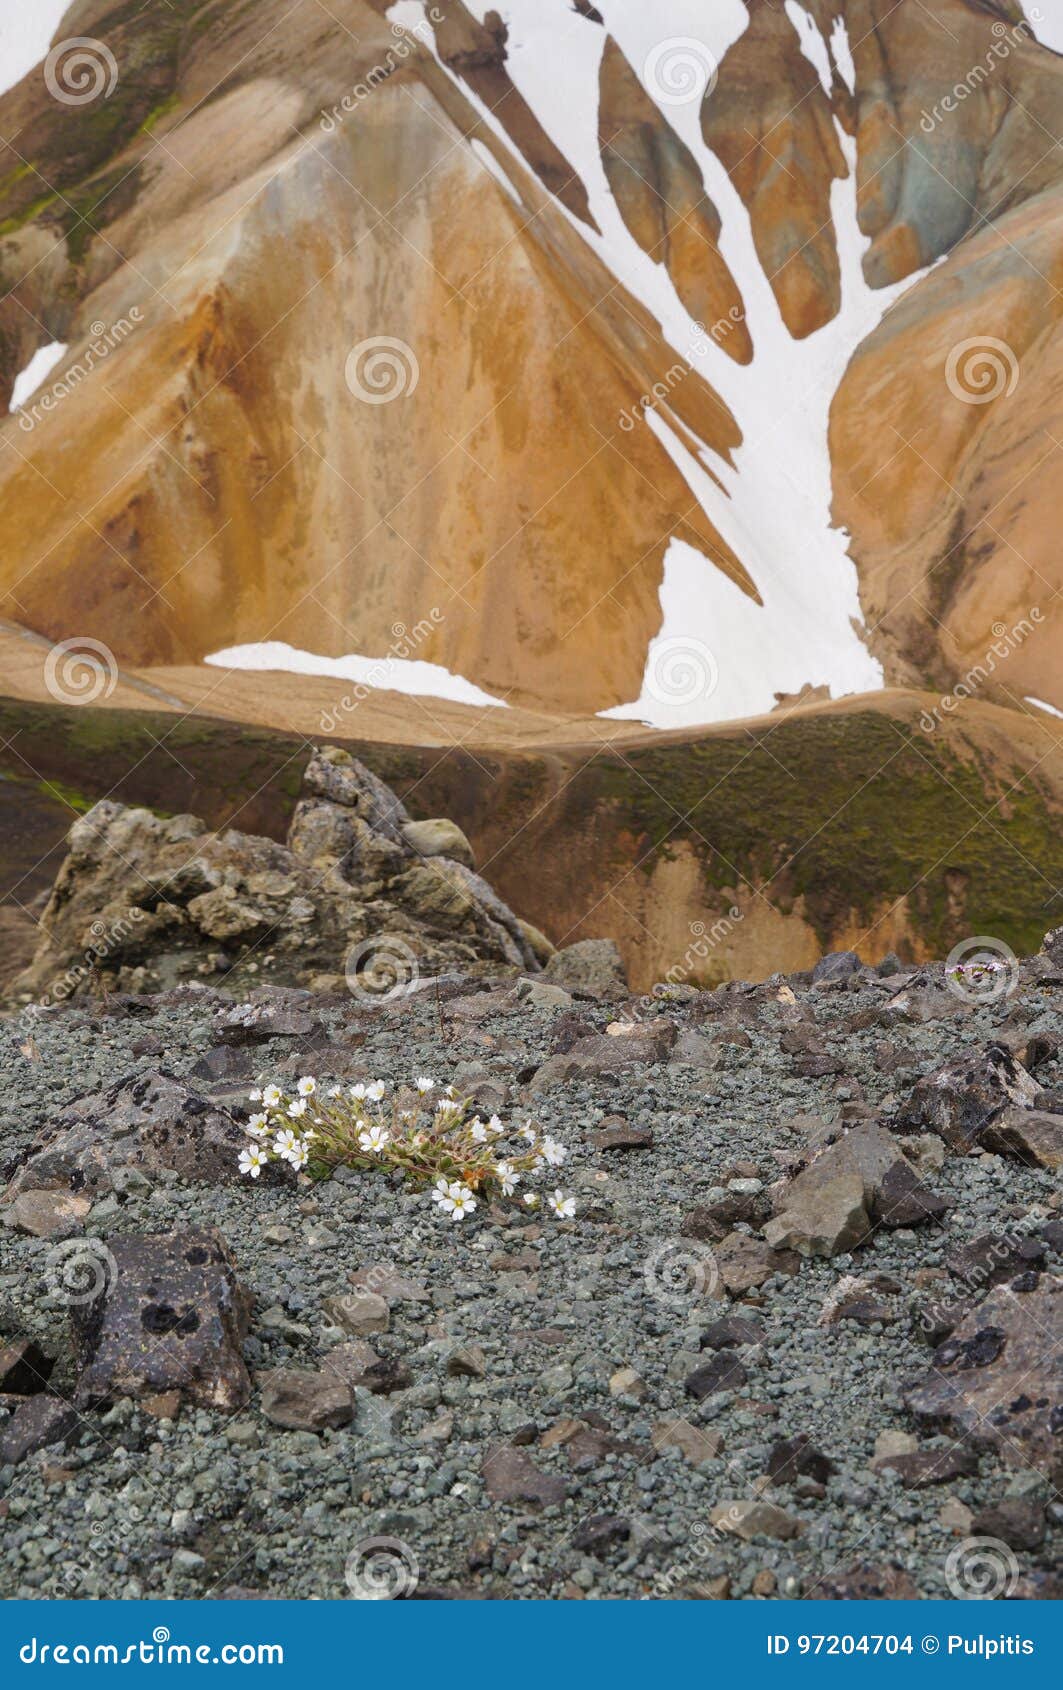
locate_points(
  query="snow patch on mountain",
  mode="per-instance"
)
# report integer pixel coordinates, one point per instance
(1041, 705)
(813, 45)
(40, 365)
(843, 54)
(774, 508)
(386, 674)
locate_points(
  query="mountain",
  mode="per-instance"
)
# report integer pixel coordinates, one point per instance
(622, 271)
(518, 376)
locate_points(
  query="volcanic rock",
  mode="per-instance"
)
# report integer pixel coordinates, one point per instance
(723, 1373)
(868, 1581)
(823, 1216)
(798, 1457)
(1018, 1520)
(993, 1258)
(148, 1121)
(439, 838)
(361, 1313)
(903, 1200)
(641, 1043)
(614, 1133)
(305, 1401)
(38, 1422)
(860, 1177)
(837, 967)
(350, 1362)
(601, 1533)
(168, 1313)
(750, 1518)
(383, 1279)
(695, 1443)
(593, 966)
(348, 883)
(47, 1214)
(1032, 1135)
(918, 1468)
(997, 1381)
(963, 1097)
(512, 1476)
(744, 1263)
(731, 1332)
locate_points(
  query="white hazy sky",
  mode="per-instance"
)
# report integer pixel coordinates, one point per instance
(26, 30)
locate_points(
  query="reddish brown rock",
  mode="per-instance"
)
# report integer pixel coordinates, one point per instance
(167, 1314)
(962, 1098)
(477, 53)
(512, 1476)
(306, 1401)
(867, 1581)
(659, 190)
(916, 1469)
(770, 122)
(38, 1422)
(996, 1381)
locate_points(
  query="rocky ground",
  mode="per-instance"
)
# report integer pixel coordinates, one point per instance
(801, 1337)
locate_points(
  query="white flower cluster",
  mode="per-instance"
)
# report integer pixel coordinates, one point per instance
(434, 1144)
(275, 1117)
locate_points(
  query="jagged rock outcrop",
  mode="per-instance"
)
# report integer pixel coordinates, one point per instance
(141, 902)
(477, 53)
(659, 190)
(771, 123)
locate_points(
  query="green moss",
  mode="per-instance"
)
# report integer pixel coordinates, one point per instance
(843, 814)
(72, 145)
(14, 177)
(229, 775)
(846, 813)
(86, 212)
(19, 219)
(162, 110)
(69, 795)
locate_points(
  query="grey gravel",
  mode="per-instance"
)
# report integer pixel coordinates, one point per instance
(512, 1463)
